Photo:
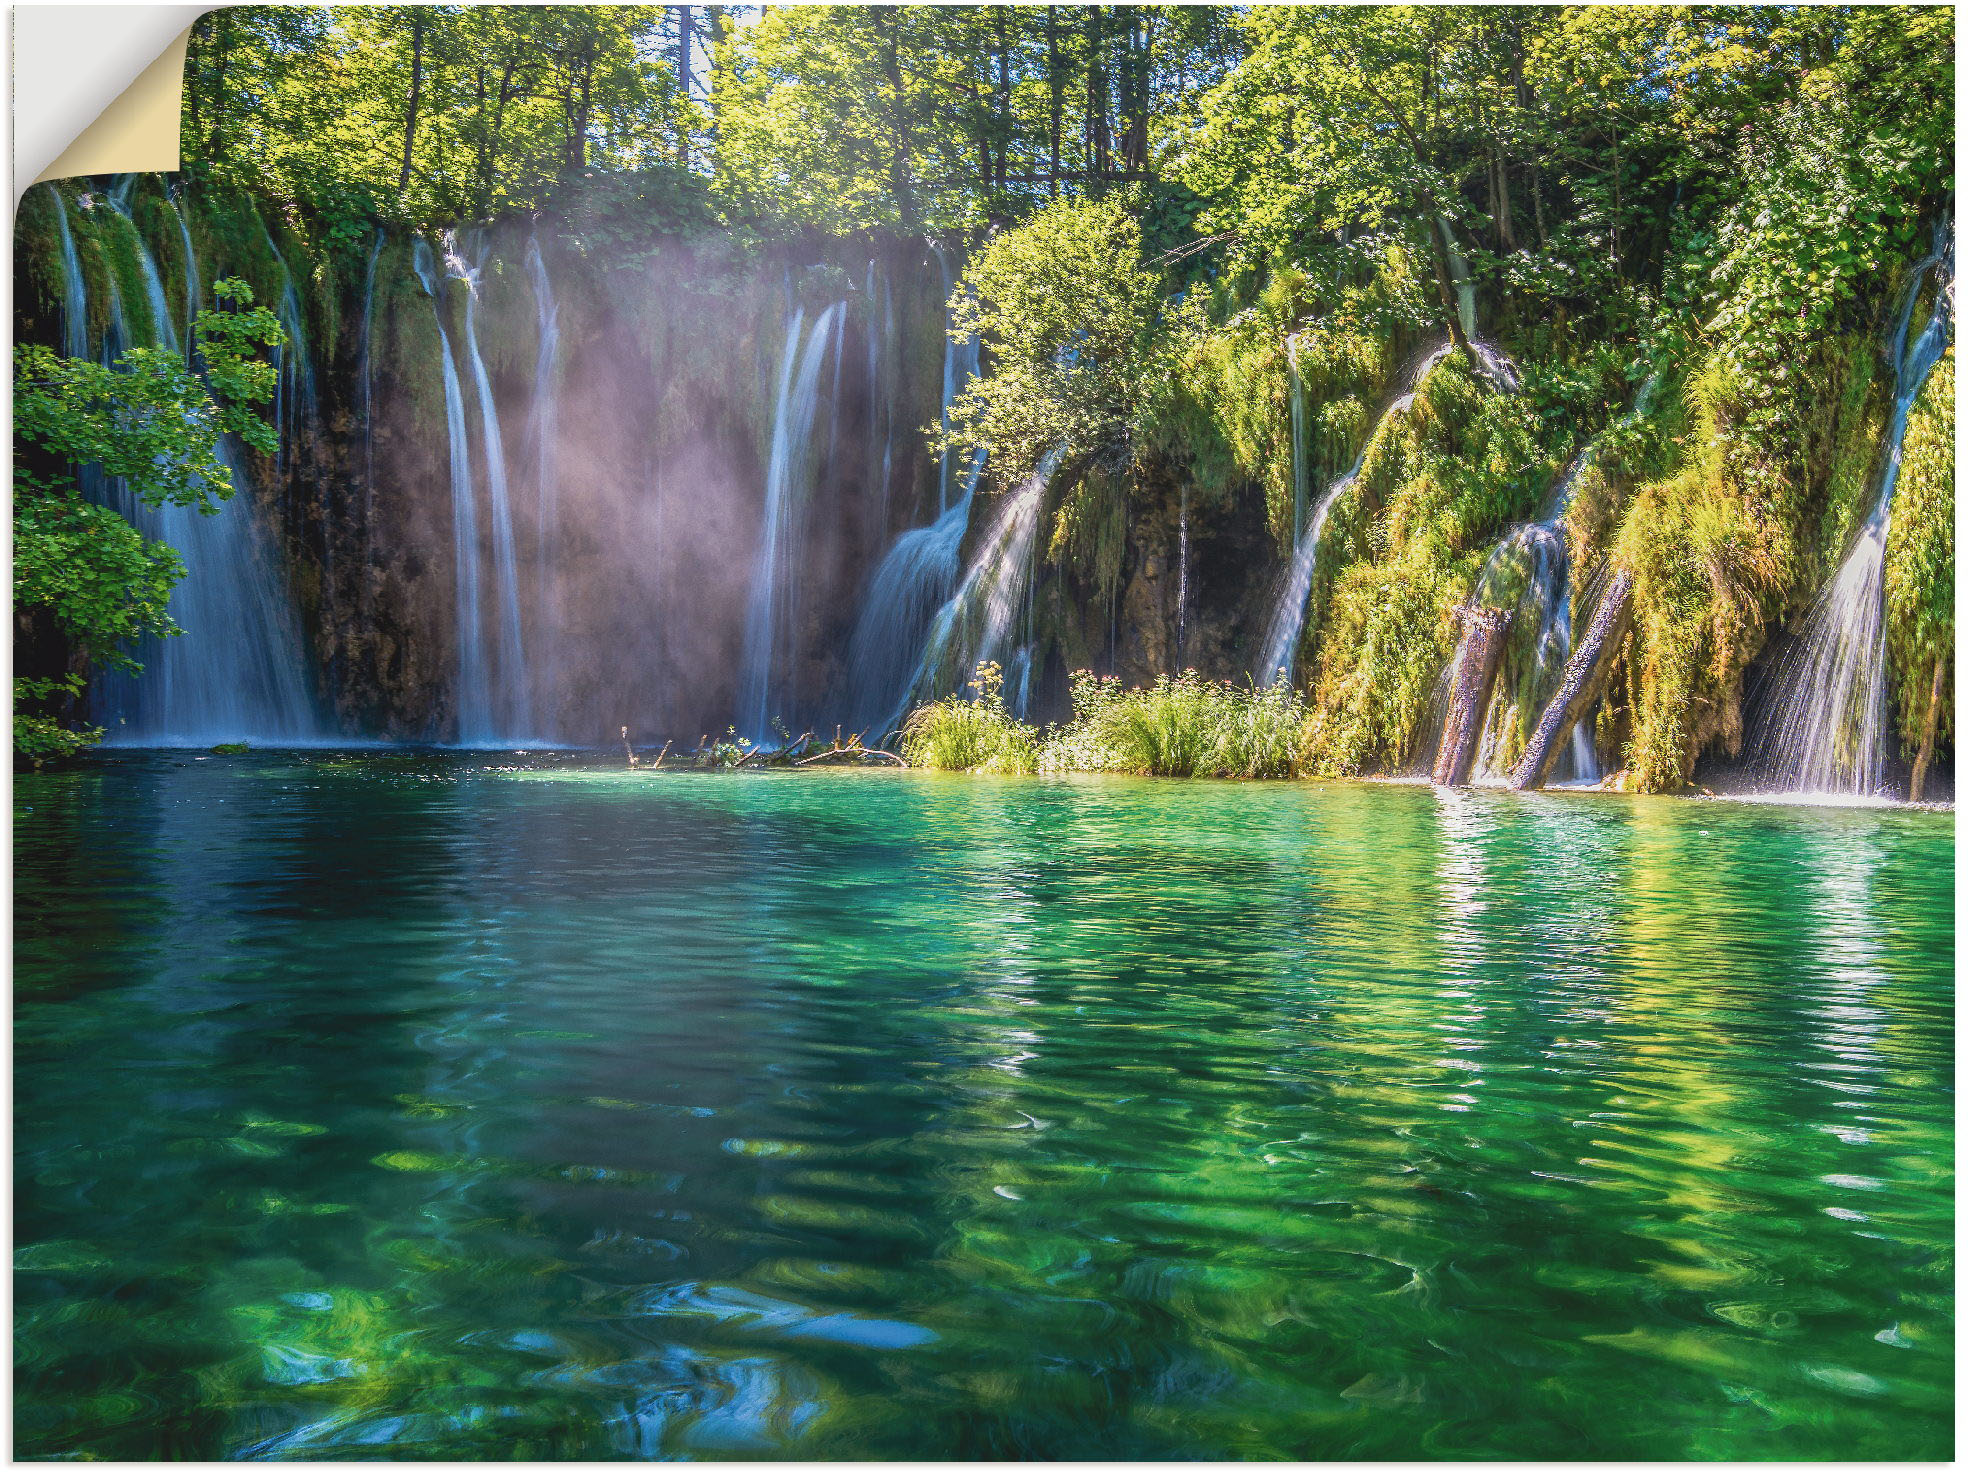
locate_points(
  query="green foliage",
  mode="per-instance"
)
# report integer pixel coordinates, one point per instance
(1081, 340)
(41, 740)
(948, 118)
(1920, 560)
(429, 114)
(970, 733)
(1184, 726)
(150, 424)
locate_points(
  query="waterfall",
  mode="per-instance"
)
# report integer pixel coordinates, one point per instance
(546, 406)
(881, 413)
(545, 435)
(367, 373)
(293, 397)
(1547, 598)
(1181, 574)
(912, 582)
(75, 301)
(1465, 288)
(772, 610)
(474, 680)
(1825, 723)
(1301, 449)
(918, 574)
(960, 365)
(1288, 615)
(511, 700)
(235, 672)
(977, 623)
(192, 284)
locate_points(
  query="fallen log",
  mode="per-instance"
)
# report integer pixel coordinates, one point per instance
(1477, 660)
(1583, 681)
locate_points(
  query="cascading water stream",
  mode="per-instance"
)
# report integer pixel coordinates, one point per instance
(771, 611)
(235, 672)
(367, 372)
(911, 583)
(546, 407)
(1825, 724)
(473, 697)
(1547, 598)
(918, 574)
(1182, 575)
(1288, 615)
(1489, 359)
(977, 623)
(960, 365)
(511, 700)
(75, 302)
(193, 287)
(294, 396)
(881, 416)
(545, 434)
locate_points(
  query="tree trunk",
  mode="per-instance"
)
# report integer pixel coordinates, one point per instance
(1134, 134)
(1002, 125)
(1579, 688)
(898, 161)
(1100, 160)
(1056, 80)
(683, 85)
(1928, 728)
(1483, 632)
(224, 25)
(1506, 229)
(416, 95)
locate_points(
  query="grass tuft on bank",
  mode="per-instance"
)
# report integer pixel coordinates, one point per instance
(1181, 726)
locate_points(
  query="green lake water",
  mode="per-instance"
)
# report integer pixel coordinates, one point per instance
(451, 1106)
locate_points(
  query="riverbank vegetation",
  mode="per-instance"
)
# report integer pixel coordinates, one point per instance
(1181, 726)
(1637, 269)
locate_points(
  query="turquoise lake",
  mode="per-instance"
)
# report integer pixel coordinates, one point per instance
(440, 1105)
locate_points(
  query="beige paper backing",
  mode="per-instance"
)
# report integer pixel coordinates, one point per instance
(138, 132)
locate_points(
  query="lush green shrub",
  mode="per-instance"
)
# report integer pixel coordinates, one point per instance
(40, 740)
(971, 733)
(1181, 727)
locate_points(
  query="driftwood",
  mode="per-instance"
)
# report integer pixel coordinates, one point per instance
(1483, 631)
(774, 753)
(1586, 673)
(1927, 729)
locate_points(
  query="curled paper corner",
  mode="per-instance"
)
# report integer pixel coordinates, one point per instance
(97, 89)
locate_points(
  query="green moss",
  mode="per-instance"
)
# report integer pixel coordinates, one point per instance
(1920, 562)
(1384, 642)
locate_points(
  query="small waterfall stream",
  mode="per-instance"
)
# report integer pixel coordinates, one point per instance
(772, 610)
(1545, 599)
(473, 696)
(1288, 614)
(989, 615)
(546, 406)
(511, 701)
(919, 572)
(366, 369)
(75, 302)
(1824, 724)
